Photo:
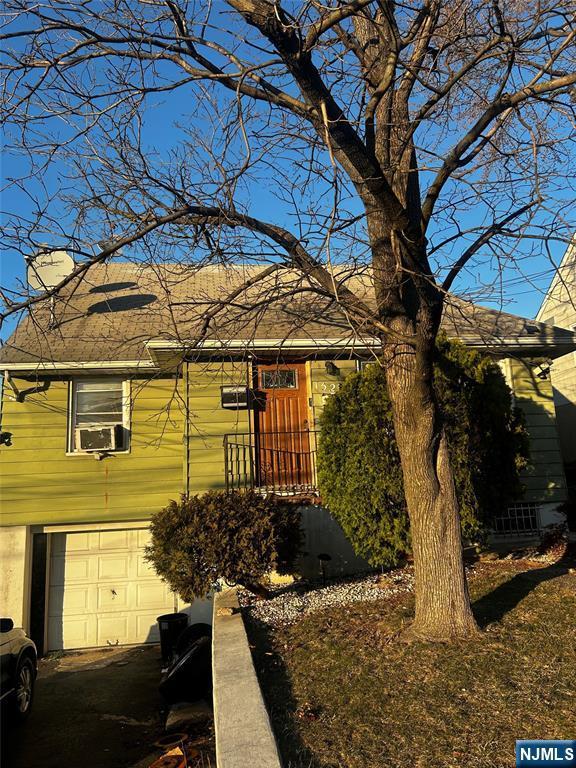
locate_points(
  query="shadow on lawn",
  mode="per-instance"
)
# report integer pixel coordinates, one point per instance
(280, 702)
(276, 685)
(496, 604)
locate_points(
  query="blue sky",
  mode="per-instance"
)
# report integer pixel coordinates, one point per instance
(523, 288)
(524, 280)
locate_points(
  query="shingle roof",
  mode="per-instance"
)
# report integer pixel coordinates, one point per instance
(118, 307)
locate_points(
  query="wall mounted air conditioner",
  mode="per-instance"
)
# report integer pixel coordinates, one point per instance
(98, 437)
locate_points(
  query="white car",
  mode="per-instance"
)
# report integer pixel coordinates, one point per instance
(19, 669)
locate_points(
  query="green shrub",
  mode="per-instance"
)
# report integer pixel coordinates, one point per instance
(359, 471)
(238, 537)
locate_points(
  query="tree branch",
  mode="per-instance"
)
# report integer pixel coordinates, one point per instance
(81, 270)
(331, 19)
(485, 237)
(505, 103)
(348, 148)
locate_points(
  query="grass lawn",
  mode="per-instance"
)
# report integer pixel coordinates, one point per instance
(341, 694)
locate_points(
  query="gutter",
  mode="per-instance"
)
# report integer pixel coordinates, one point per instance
(550, 347)
(155, 345)
(100, 365)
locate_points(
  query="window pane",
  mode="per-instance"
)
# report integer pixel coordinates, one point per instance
(99, 402)
(278, 379)
(98, 418)
(99, 385)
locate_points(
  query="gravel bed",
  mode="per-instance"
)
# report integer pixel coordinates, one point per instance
(290, 604)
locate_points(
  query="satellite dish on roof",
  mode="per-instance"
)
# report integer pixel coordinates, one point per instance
(48, 268)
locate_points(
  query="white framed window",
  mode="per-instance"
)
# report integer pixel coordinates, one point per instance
(99, 415)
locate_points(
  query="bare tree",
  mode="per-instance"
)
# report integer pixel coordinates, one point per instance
(416, 139)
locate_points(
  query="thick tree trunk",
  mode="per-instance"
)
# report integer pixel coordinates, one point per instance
(442, 602)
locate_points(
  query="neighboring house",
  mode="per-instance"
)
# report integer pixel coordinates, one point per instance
(145, 383)
(559, 308)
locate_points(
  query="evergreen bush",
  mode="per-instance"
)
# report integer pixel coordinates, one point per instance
(359, 471)
(238, 537)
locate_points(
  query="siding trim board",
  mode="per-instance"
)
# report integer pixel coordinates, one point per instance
(85, 527)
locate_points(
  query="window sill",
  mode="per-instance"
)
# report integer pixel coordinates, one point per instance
(91, 454)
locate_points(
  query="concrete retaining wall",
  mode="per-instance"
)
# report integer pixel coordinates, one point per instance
(244, 735)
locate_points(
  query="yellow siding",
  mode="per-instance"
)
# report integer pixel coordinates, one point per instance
(544, 481)
(559, 308)
(323, 383)
(40, 484)
(209, 422)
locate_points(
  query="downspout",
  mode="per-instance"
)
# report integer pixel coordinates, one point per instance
(2, 385)
(250, 386)
(10, 381)
(6, 379)
(187, 429)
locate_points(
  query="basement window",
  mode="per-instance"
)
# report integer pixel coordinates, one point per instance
(519, 519)
(99, 415)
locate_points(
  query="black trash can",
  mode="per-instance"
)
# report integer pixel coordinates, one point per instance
(171, 627)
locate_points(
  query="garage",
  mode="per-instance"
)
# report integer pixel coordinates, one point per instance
(102, 592)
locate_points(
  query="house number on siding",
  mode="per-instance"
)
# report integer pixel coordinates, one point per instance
(329, 389)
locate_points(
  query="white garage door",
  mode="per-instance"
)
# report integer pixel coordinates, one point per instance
(101, 590)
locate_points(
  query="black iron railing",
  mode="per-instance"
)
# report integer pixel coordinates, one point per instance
(273, 462)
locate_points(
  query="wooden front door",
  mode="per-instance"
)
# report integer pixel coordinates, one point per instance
(283, 439)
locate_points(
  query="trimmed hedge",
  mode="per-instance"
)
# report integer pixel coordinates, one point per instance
(238, 537)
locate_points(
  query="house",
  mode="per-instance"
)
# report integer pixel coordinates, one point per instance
(142, 383)
(559, 308)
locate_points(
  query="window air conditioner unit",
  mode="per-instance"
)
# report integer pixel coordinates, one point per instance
(98, 437)
(234, 397)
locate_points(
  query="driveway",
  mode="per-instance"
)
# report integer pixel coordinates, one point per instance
(98, 709)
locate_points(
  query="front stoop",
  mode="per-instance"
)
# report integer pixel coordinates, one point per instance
(244, 735)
